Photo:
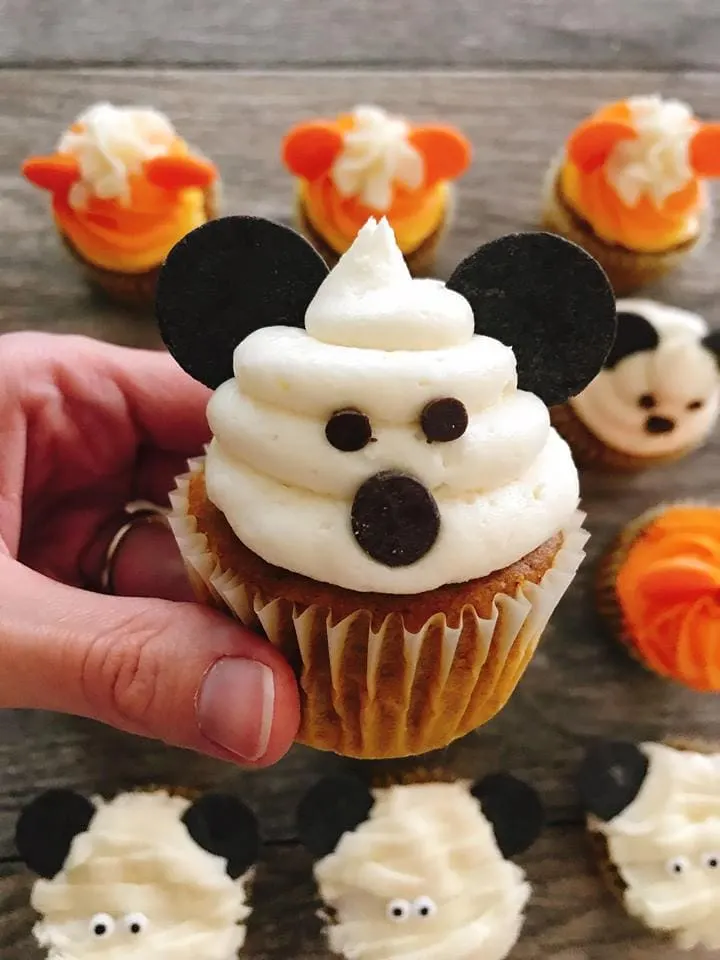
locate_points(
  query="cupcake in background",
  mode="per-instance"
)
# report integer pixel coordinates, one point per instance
(630, 187)
(421, 868)
(654, 816)
(657, 397)
(125, 188)
(370, 164)
(659, 588)
(379, 497)
(145, 874)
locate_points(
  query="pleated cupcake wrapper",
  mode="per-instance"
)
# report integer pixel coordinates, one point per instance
(132, 289)
(608, 602)
(627, 270)
(421, 261)
(388, 692)
(590, 451)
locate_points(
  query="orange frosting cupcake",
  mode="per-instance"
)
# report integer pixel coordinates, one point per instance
(668, 589)
(125, 187)
(370, 164)
(634, 172)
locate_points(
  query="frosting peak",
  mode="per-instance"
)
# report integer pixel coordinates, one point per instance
(371, 301)
(111, 143)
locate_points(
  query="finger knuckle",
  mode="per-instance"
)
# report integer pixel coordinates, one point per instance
(121, 672)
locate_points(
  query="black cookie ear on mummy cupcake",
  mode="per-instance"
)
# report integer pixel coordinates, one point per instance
(711, 343)
(47, 827)
(224, 826)
(635, 334)
(226, 279)
(610, 777)
(513, 808)
(548, 300)
(334, 806)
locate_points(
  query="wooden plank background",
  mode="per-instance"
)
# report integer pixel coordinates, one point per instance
(578, 685)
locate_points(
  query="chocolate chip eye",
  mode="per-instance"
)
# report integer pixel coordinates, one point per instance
(695, 405)
(348, 430)
(444, 420)
(647, 401)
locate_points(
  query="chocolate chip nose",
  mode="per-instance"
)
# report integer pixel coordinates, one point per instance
(659, 425)
(395, 519)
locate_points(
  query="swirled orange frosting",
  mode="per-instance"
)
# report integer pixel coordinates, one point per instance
(123, 201)
(634, 172)
(370, 164)
(668, 588)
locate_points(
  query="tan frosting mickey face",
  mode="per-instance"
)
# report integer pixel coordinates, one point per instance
(666, 846)
(660, 394)
(136, 886)
(422, 879)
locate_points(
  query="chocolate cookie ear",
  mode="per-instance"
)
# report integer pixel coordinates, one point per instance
(513, 808)
(547, 299)
(334, 806)
(610, 777)
(226, 279)
(47, 827)
(635, 334)
(712, 343)
(223, 825)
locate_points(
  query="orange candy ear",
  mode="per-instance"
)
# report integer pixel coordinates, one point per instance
(56, 173)
(445, 151)
(705, 151)
(310, 149)
(592, 142)
(178, 171)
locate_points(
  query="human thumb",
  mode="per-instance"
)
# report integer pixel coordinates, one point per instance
(173, 671)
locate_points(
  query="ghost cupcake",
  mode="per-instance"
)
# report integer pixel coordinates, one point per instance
(659, 589)
(654, 811)
(657, 397)
(384, 497)
(369, 163)
(630, 187)
(143, 875)
(421, 870)
(125, 187)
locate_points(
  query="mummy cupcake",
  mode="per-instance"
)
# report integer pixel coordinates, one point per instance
(655, 813)
(421, 870)
(371, 164)
(125, 188)
(657, 397)
(139, 877)
(659, 588)
(384, 496)
(630, 187)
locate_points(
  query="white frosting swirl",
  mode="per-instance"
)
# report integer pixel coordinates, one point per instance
(678, 374)
(502, 489)
(111, 143)
(424, 846)
(656, 162)
(376, 154)
(137, 862)
(666, 846)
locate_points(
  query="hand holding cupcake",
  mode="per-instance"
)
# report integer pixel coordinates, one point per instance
(125, 188)
(369, 163)
(630, 187)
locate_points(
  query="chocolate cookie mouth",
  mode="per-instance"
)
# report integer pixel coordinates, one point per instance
(395, 519)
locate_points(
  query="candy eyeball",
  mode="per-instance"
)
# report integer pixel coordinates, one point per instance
(398, 910)
(135, 923)
(677, 866)
(711, 861)
(102, 925)
(424, 907)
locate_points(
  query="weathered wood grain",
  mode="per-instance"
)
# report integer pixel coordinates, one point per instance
(672, 34)
(578, 685)
(570, 916)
